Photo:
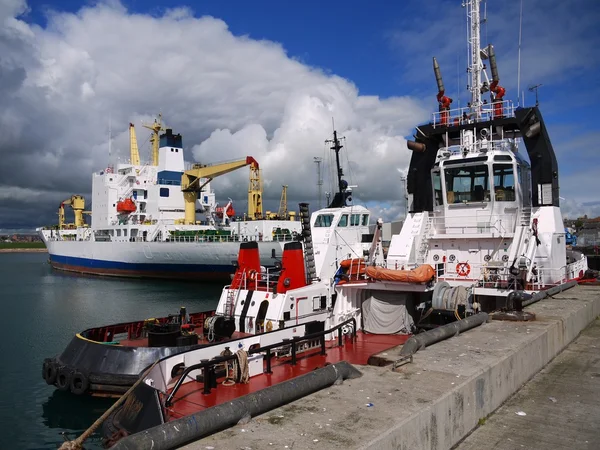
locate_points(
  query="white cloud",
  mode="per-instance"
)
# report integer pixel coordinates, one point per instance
(229, 96)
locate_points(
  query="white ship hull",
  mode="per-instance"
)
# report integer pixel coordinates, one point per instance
(202, 261)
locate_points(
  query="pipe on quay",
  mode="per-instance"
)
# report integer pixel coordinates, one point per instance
(195, 426)
(549, 292)
(422, 340)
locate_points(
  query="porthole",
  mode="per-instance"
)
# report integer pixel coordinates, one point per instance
(436, 257)
(452, 258)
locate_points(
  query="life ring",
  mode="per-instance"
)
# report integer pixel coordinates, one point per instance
(137, 182)
(269, 326)
(63, 379)
(79, 383)
(49, 371)
(463, 269)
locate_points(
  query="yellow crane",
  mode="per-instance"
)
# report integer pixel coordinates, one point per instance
(77, 203)
(283, 211)
(156, 128)
(191, 183)
(133, 146)
(255, 193)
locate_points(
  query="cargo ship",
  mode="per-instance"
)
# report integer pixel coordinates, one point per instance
(162, 220)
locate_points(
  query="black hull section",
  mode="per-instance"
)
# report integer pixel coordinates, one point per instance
(102, 369)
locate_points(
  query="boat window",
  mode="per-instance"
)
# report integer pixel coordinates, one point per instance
(164, 192)
(467, 184)
(355, 220)
(324, 220)
(504, 183)
(343, 221)
(437, 188)
(365, 222)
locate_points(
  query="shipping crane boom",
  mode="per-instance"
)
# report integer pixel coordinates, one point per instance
(77, 203)
(133, 146)
(191, 181)
(156, 128)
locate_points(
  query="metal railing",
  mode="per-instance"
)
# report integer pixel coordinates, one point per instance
(134, 330)
(230, 238)
(466, 115)
(208, 366)
(471, 225)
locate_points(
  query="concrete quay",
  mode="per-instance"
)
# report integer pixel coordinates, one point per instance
(559, 408)
(435, 401)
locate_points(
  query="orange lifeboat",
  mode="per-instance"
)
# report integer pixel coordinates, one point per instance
(219, 212)
(126, 206)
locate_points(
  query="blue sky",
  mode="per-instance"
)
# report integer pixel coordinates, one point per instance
(380, 49)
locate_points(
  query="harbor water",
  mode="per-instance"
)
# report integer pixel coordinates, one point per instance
(42, 309)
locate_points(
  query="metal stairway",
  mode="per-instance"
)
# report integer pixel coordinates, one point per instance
(309, 254)
(424, 245)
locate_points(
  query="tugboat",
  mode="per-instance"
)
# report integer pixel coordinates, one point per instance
(484, 233)
(107, 360)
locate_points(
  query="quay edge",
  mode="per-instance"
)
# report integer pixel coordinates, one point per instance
(432, 403)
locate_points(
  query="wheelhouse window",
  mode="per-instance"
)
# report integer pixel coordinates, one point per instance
(504, 183)
(355, 220)
(365, 220)
(436, 179)
(324, 220)
(343, 221)
(467, 184)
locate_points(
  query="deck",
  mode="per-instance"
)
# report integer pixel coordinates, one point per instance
(191, 399)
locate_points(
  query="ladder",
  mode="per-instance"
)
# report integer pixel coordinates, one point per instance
(230, 302)
(239, 280)
(309, 254)
(424, 245)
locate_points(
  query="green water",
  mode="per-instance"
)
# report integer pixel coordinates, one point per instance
(40, 311)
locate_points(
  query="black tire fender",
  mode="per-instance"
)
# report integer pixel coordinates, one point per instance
(63, 378)
(49, 371)
(79, 383)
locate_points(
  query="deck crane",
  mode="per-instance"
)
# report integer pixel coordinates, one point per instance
(156, 128)
(192, 183)
(77, 203)
(133, 146)
(283, 210)
(255, 193)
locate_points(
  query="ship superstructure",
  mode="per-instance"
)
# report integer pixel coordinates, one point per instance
(482, 215)
(162, 219)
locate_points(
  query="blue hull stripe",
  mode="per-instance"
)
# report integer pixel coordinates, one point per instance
(96, 264)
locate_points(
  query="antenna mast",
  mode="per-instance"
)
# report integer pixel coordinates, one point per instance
(110, 165)
(318, 161)
(535, 88)
(337, 147)
(475, 64)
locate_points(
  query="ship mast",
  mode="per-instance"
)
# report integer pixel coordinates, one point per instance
(475, 65)
(339, 199)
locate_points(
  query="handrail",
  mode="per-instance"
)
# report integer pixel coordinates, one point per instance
(209, 376)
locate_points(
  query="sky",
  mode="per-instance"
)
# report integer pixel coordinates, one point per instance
(266, 79)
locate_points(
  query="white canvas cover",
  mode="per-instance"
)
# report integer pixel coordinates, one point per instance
(385, 313)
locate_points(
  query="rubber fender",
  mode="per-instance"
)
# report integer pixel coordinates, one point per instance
(49, 371)
(63, 378)
(79, 383)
